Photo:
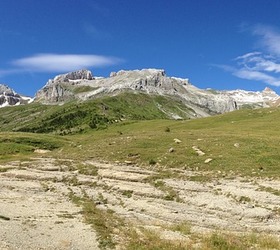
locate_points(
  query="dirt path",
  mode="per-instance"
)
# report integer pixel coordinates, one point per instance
(34, 197)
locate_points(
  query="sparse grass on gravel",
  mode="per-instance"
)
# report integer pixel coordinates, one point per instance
(230, 241)
(102, 221)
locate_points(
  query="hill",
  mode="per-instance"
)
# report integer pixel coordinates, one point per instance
(82, 85)
(206, 182)
(141, 173)
(74, 117)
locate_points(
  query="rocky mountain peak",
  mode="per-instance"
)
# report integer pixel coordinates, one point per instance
(267, 89)
(81, 85)
(8, 97)
(142, 72)
(58, 90)
(6, 90)
(150, 81)
(72, 76)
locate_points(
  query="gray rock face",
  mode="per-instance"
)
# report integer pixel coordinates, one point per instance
(76, 75)
(154, 82)
(9, 97)
(59, 89)
(150, 81)
(258, 99)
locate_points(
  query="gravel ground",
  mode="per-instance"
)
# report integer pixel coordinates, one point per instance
(33, 218)
(36, 213)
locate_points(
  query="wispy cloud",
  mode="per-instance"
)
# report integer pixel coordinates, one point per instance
(262, 65)
(269, 38)
(256, 66)
(63, 62)
(258, 61)
(256, 76)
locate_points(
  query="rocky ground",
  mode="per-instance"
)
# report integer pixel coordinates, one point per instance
(37, 213)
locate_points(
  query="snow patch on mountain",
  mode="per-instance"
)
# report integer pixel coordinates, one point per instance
(82, 85)
(8, 97)
(264, 98)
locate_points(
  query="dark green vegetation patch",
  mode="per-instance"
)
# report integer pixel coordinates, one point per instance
(76, 117)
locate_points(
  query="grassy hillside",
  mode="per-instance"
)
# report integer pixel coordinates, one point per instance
(75, 117)
(245, 142)
(241, 142)
(15, 146)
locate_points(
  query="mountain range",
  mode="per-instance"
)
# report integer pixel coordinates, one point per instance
(82, 85)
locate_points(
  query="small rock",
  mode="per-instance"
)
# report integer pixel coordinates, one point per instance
(171, 150)
(236, 145)
(128, 162)
(42, 151)
(177, 140)
(198, 151)
(208, 160)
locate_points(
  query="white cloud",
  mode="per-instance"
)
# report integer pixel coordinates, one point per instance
(248, 55)
(263, 65)
(269, 38)
(255, 66)
(258, 67)
(257, 76)
(63, 62)
(260, 62)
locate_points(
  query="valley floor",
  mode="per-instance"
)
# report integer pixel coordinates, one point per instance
(46, 203)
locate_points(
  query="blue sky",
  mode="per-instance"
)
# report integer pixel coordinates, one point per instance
(219, 44)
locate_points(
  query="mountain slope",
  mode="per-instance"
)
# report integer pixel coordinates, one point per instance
(265, 98)
(83, 86)
(8, 97)
(74, 117)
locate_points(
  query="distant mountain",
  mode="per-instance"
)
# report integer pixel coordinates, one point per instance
(265, 98)
(82, 85)
(8, 97)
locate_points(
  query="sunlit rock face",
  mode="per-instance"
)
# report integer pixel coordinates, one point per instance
(59, 88)
(83, 86)
(8, 97)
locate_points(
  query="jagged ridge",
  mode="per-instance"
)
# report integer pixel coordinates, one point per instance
(150, 81)
(82, 85)
(8, 97)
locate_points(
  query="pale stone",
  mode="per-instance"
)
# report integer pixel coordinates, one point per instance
(208, 160)
(177, 140)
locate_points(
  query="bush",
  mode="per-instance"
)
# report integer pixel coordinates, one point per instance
(152, 162)
(167, 129)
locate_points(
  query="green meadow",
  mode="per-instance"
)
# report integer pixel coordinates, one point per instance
(244, 142)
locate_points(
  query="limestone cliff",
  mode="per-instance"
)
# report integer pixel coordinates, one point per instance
(151, 81)
(8, 97)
